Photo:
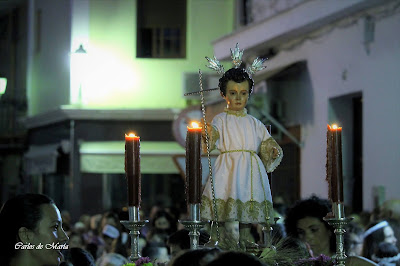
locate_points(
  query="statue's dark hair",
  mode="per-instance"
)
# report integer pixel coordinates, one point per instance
(21, 211)
(237, 75)
(312, 207)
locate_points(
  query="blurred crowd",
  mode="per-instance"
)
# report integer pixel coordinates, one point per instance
(299, 235)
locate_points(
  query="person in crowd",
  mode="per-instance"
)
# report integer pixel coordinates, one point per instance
(395, 224)
(178, 241)
(305, 221)
(31, 232)
(142, 243)
(197, 257)
(109, 235)
(353, 245)
(111, 259)
(79, 228)
(152, 213)
(390, 211)
(109, 229)
(162, 226)
(363, 218)
(92, 237)
(120, 245)
(76, 240)
(110, 218)
(82, 228)
(353, 239)
(85, 220)
(386, 254)
(376, 233)
(77, 257)
(92, 248)
(157, 252)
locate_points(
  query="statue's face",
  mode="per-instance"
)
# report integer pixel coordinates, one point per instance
(236, 95)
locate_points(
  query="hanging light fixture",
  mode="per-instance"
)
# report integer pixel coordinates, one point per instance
(78, 73)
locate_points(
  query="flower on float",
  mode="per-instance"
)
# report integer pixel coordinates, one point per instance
(321, 260)
(143, 261)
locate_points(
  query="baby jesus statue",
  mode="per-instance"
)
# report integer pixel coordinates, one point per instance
(247, 153)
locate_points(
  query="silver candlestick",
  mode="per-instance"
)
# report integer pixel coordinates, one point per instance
(267, 232)
(339, 222)
(134, 225)
(194, 225)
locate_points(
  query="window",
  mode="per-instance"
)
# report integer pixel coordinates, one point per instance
(161, 29)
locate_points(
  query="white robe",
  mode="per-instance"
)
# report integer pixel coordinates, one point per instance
(241, 184)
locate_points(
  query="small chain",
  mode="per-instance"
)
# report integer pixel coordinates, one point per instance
(203, 109)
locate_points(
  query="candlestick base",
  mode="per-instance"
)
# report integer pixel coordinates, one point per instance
(339, 224)
(267, 231)
(134, 232)
(194, 231)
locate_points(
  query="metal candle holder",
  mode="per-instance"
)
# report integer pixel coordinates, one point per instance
(134, 225)
(267, 231)
(339, 222)
(194, 225)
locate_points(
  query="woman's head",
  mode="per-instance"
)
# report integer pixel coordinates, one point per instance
(305, 221)
(32, 219)
(376, 233)
(353, 239)
(164, 222)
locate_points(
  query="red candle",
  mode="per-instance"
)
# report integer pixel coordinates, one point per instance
(193, 164)
(132, 169)
(334, 163)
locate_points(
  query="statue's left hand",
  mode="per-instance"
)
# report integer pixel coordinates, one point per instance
(275, 153)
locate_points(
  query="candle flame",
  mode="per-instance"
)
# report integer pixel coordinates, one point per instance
(334, 127)
(130, 135)
(195, 125)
